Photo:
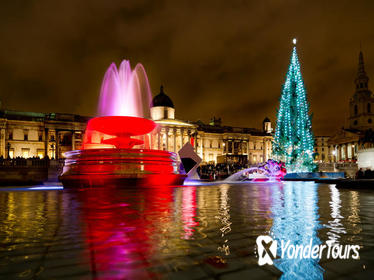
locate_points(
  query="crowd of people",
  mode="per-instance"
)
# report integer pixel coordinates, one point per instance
(365, 174)
(21, 161)
(219, 171)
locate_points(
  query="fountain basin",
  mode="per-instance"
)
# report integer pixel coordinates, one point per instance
(122, 128)
(120, 167)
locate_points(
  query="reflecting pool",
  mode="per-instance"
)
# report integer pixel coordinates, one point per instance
(196, 232)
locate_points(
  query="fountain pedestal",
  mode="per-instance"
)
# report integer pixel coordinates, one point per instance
(122, 165)
(119, 167)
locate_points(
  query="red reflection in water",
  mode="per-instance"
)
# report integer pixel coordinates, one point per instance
(189, 211)
(122, 239)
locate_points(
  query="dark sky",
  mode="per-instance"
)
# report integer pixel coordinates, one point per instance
(221, 58)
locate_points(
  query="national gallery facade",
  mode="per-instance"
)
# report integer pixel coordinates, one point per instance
(28, 134)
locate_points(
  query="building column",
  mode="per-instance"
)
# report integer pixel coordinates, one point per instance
(248, 157)
(182, 132)
(346, 151)
(159, 140)
(167, 138)
(202, 148)
(150, 146)
(175, 139)
(264, 149)
(46, 142)
(195, 140)
(4, 150)
(352, 151)
(57, 144)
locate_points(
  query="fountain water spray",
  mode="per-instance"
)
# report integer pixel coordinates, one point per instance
(125, 92)
(108, 156)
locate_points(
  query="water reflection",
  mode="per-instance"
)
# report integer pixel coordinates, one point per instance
(335, 224)
(189, 211)
(124, 232)
(224, 217)
(295, 218)
(149, 233)
(353, 218)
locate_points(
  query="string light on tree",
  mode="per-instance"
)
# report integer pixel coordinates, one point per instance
(294, 140)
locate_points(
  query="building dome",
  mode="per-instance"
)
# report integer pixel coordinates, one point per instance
(162, 100)
(162, 107)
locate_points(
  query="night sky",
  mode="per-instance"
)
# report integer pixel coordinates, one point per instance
(215, 58)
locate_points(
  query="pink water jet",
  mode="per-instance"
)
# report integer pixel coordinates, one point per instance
(125, 92)
(123, 109)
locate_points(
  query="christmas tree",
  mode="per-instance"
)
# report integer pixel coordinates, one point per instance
(294, 141)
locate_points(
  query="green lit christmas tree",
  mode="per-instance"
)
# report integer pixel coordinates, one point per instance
(294, 141)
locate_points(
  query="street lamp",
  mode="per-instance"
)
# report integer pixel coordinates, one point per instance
(53, 150)
(8, 148)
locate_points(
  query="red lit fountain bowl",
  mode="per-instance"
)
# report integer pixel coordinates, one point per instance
(121, 125)
(123, 165)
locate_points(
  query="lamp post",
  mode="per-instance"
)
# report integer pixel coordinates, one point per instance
(53, 150)
(8, 148)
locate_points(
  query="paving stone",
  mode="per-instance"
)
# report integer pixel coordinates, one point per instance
(253, 274)
(192, 273)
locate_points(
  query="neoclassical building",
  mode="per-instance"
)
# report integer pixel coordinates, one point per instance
(322, 149)
(170, 134)
(345, 143)
(213, 142)
(28, 134)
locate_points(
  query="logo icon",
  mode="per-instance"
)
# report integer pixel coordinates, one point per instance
(266, 249)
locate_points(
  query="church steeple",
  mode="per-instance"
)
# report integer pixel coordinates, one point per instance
(361, 114)
(362, 79)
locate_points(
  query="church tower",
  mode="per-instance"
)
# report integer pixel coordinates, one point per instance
(361, 105)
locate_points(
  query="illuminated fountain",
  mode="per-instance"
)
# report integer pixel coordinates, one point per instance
(108, 156)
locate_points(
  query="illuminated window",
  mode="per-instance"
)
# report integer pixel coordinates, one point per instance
(25, 152)
(40, 153)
